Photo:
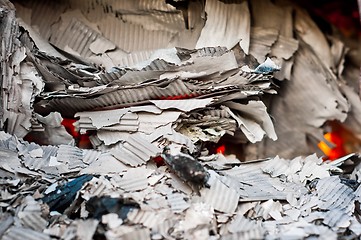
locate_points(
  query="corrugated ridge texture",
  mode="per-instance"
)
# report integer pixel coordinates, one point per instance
(135, 57)
(132, 37)
(243, 224)
(5, 136)
(120, 97)
(135, 78)
(210, 51)
(177, 202)
(261, 41)
(183, 104)
(256, 184)
(109, 77)
(231, 22)
(158, 5)
(245, 170)
(148, 219)
(251, 234)
(9, 30)
(98, 187)
(276, 167)
(35, 163)
(158, 65)
(19, 233)
(33, 220)
(49, 151)
(334, 194)
(10, 143)
(44, 13)
(77, 36)
(252, 77)
(135, 151)
(336, 218)
(130, 184)
(221, 113)
(127, 156)
(123, 6)
(26, 148)
(90, 156)
(151, 14)
(221, 197)
(69, 154)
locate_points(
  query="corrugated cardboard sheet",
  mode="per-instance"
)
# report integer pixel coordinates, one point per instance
(134, 77)
(243, 200)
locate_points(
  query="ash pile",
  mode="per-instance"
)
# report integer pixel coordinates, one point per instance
(116, 114)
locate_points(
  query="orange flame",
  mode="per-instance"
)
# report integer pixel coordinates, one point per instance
(343, 140)
(335, 152)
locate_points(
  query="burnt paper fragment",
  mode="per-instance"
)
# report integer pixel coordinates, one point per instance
(186, 167)
(99, 206)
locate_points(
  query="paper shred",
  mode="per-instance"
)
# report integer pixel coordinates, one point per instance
(135, 151)
(106, 118)
(220, 196)
(134, 179)
(355, 227)
(337, 219)
(261, 41)
(251, 128)
(105, 163)
(335, 195)
(252, 234)
(242, 224)
(218, 20)
(89, 156)
(72, 156)
(31, 217)
(312, 169)
(183, 105)
(178, 184)
(197, 214)
(86, 228)
(178, 202)
(148, 122)
(276, 167)
(140, 233)
(147, 218)
(18, 233)
(112, 220)
(284, 47)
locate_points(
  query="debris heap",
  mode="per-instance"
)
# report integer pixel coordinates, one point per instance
(103, 103)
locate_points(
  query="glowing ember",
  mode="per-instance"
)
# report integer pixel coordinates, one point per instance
(68, 123)
(159, 161)
(343, 16)
(221, 149)
(82, 140)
